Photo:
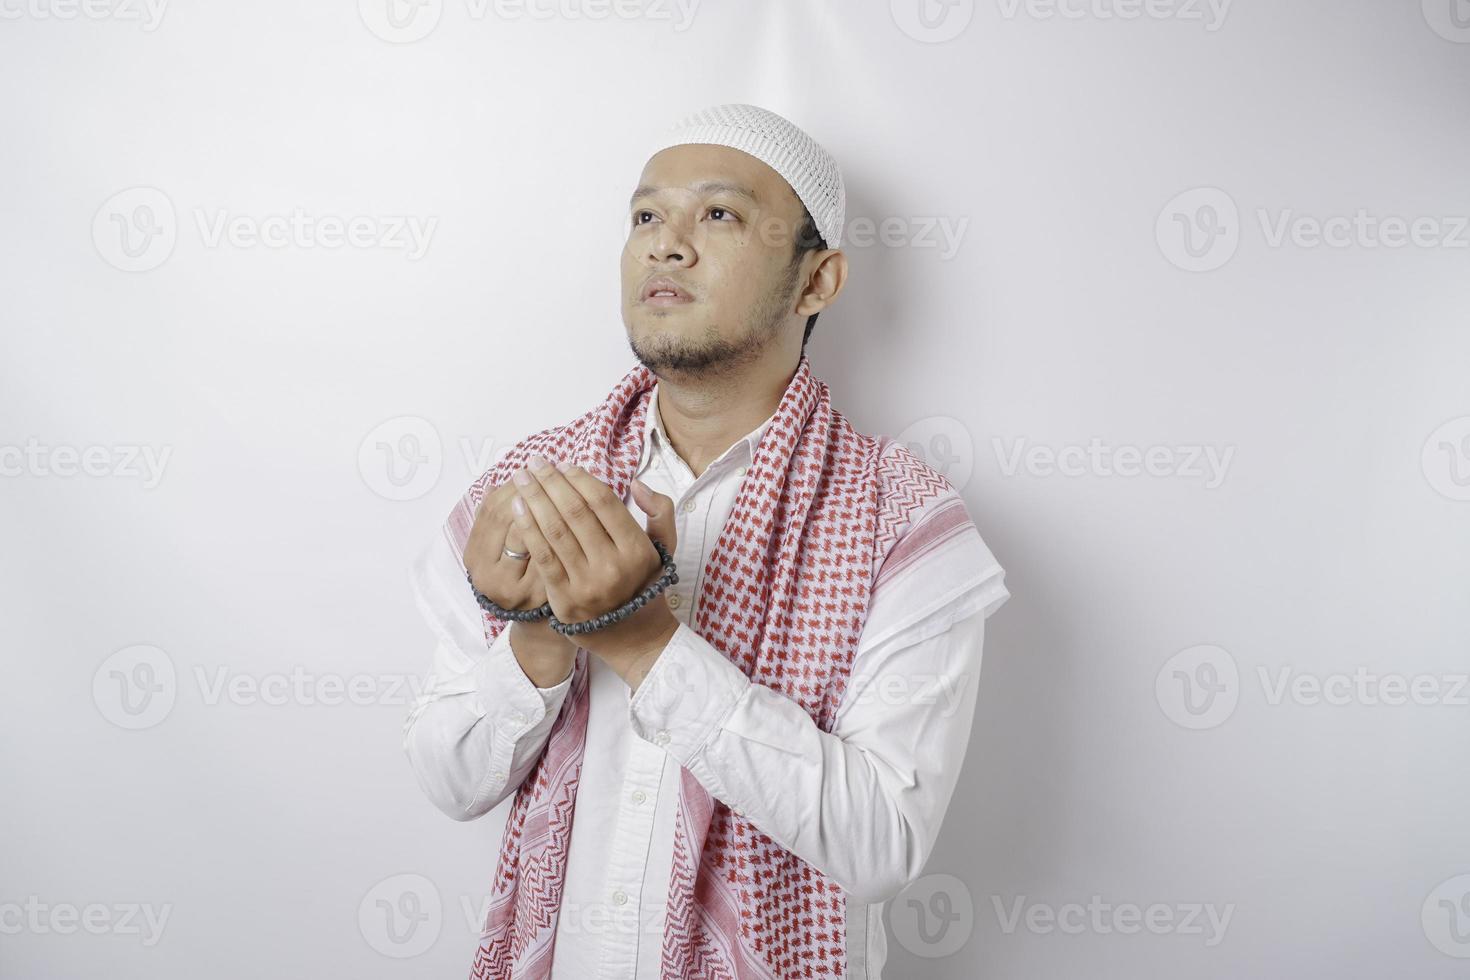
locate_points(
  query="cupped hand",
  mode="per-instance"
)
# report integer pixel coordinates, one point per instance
(511, 583)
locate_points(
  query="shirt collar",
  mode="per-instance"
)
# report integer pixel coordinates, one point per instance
(655, 434)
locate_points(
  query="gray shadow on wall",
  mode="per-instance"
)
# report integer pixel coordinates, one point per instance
(1011, 802)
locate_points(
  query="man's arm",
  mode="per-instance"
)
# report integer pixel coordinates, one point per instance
(864, 803)
(481, 721)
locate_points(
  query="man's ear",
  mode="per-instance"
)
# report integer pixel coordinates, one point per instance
(824, 282)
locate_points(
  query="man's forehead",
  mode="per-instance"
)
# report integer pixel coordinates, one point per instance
(700, 168)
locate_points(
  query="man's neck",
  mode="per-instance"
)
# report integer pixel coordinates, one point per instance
(704, 419)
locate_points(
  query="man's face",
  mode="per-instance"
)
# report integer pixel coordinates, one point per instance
(721, 226)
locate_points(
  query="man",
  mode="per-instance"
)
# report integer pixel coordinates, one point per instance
(731, 778)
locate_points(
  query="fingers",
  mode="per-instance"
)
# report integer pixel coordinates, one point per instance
(553, 573)
(496, 531)
(659, 507)
(617, 521)
(564, 517)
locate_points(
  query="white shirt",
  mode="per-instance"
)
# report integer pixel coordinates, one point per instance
(862, 804)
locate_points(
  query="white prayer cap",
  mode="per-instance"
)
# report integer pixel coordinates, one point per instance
(782, 146)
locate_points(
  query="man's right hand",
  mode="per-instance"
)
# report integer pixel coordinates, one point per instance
(544, 654)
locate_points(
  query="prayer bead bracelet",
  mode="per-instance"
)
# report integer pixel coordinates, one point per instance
(669, 577)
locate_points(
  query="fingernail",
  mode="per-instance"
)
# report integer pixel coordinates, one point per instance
(565, 466)
(521, 477)
(538, 462)
(519, 506)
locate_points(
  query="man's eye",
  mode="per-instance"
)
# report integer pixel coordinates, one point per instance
(721, 210)
(637, 215)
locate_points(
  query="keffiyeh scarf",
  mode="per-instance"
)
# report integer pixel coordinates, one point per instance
(785, 596)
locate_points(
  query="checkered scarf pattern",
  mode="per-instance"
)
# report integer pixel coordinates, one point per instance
(785, 595)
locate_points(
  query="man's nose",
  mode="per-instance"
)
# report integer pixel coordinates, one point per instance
(672, 243)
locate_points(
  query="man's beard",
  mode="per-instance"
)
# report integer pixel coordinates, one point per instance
(691, 358)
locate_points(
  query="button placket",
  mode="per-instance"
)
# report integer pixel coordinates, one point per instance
(627, 852)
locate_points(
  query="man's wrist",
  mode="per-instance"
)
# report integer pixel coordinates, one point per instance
(545, 656)
(633, 646)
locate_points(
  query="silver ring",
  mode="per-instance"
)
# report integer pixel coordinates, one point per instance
(517, 555)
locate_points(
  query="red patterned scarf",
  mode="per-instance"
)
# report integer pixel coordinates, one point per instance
(784, 597)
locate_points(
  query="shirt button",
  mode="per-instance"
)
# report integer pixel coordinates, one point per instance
(498, 775)
(674, 601)
(740, 472)
(639, 796)
(661, 737)
(517, 719)
(620, 897)
(687, 506)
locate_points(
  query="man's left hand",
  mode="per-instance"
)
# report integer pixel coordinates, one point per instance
(593, 557)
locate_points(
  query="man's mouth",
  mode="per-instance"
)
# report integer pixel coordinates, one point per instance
(661, 291)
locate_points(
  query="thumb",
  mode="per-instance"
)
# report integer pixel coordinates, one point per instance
(660, 510)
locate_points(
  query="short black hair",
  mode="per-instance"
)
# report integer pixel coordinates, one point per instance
(807, 239)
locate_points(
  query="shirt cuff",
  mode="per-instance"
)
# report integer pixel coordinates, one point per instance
(507, 695)
(685, 697)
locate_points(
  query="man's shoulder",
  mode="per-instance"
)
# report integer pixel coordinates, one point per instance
(911, 491)
(925, 528)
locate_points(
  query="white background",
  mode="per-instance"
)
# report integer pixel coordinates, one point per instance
(322, 407)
